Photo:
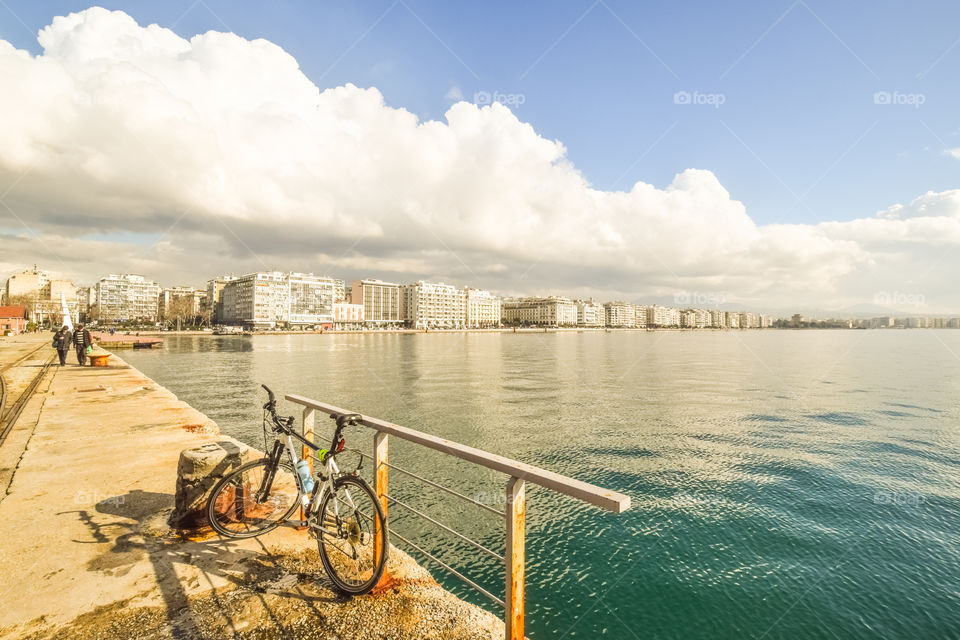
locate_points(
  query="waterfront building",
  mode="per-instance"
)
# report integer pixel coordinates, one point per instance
(620, 314)
(40, 295)
(380, 300)
(639, 316)
(733, 320)
(658, 316)
(28, 282)
(552, 311)
(214, 299)
(196, 301)
(311, 299)
(257, 300)
(483, 309)
(590, 314)
(127, 296)
(432, 305)
(347, 315)
(718, 319)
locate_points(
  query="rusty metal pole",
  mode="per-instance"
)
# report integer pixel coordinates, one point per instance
(307, 453)
(380, 442)
(516, 524)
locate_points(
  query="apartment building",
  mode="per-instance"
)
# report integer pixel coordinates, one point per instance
(658, 316)
(718, 319)
(620, 314)
(749, 320)
(483, 309)
(271, 299)
(640, 316)
(590, 314)
(312, 298)
(695, 318)
(127, 296)
(196, 298)
(347, 315)
(214, 299)
(432, 305)
(551, 311)
(380, 300)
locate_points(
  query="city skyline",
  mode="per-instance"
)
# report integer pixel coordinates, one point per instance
(182, 153)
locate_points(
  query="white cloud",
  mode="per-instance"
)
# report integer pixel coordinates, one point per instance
(228, 150)
(955, 153)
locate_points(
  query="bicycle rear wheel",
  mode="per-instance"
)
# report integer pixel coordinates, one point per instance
(252, 500)
(352, 536)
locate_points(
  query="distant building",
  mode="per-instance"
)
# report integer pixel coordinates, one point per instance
(552, 311)
(271, 299)
(13, 320)
(749, 320)
(380, 300)
(196, 301)
(658, 316)
(347, 315)
(590, 314)
(483, 309)
(40, 295)
(620, 314)
(432, 305)
(718, 319)
(127, 297)
(312, 298)
(214, 298)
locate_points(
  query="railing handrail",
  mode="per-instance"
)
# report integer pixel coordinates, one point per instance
(598, 496)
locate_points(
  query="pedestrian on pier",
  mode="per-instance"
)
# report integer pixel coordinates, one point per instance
(81, 340)
(61, 342)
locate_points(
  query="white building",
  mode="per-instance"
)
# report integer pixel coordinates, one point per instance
(620, 314)
(590, 314)
(483, 309)
(270, 299)
(640, 315)
(658, 316)
(380, 300)
(550, 312)
(432, 305)
(214, 298)
(312, 298)
(127, 296)
(718, 319)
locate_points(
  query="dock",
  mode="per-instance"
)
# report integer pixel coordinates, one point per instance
(125, 340)
(87, 553)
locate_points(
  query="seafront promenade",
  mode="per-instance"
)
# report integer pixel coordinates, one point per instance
(87, 552)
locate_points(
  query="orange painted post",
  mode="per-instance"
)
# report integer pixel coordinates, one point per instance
(307, 453)
(380, 441)
(516, 524)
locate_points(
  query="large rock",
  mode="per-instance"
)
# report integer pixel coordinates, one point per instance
(198, 470)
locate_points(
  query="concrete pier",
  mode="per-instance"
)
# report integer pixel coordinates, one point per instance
(86, 551)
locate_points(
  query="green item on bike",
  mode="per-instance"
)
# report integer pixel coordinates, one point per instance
(89, 349)
(323, 453)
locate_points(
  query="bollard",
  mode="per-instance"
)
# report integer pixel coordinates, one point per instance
(198, 470)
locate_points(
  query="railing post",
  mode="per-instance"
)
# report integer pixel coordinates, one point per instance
(307, 454)
(516, 523)
(380, 442)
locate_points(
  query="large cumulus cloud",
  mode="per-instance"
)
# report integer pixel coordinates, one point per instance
(130, 148)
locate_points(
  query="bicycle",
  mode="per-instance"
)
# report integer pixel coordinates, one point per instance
(340, 509)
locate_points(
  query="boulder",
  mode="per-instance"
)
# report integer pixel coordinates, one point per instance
(199, 469)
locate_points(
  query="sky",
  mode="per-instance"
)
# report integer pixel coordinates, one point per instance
(766, 155)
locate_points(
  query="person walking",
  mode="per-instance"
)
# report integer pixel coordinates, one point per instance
(81, 340)
(61, 342)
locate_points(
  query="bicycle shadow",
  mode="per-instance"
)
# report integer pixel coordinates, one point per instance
(188, 569)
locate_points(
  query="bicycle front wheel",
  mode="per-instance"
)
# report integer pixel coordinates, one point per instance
(253, 499)
(352, 536)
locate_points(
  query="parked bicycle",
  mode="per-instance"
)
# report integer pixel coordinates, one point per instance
(340, 509)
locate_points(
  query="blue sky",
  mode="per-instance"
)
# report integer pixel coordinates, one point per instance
(798, 137)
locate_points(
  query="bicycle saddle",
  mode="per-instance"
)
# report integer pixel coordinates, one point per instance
(345, 419)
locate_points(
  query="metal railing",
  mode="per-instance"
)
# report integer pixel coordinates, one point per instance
(515, 515)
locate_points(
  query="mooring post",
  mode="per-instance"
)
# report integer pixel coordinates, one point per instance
(380, 441)
(516, 524)
(307, 453)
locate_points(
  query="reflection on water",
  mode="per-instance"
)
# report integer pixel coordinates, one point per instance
(784, 484)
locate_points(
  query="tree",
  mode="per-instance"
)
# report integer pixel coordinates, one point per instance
(181, 310)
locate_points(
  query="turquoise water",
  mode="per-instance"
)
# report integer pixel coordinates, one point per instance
(784, 484)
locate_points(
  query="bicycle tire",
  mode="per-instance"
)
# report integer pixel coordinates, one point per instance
(340, 532)
(247, 525)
